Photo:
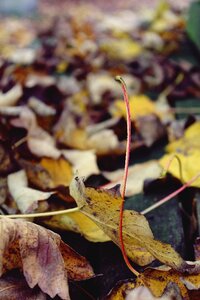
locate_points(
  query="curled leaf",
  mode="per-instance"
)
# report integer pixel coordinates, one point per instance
(43, 257)
(26, 198)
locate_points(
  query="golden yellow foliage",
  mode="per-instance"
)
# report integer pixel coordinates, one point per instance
(78, 223)
(125, 48)
(103, 207)
(140, 105)
(157, 280)
(60, 171)
(187, 149)
(188, 143)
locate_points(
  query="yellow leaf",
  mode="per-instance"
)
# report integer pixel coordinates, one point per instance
(59, 170)
(125, 49)
(189, 163)
(187, 149)
(78, 223)
(103, 207)
(140, 105)
(189, 142)
(157, 281)
(121, 289)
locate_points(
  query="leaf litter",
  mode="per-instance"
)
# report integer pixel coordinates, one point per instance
(61, 113)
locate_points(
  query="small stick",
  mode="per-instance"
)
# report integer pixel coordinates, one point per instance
(40, 215)
(165, 170)
(128, 122)
(170, 196)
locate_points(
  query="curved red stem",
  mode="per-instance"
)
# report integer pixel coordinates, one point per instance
(123, 190)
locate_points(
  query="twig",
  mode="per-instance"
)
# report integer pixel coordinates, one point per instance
(123, 190)
(170, 196)
(40, 215)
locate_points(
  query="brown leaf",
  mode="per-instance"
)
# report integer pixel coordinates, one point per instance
(38, 252)
(25, 197)
(128, 290)
(157, 281)
(137, 174)
(103, 207)
(120, 290)
(15, 287)
(59, 170)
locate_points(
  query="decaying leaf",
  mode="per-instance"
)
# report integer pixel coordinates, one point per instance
(136, 176)
(41, 255)
(40, 142)
(79, 223)
(120, 291)
(143, 293)
(189, 166)
(125, 49)
(48, 173)
(83, 161)
(103, 207)
(157, 281)
(187, 150)
(128, 290)
(60, 171)
(11, 97)
(26, 198)
(188, 143)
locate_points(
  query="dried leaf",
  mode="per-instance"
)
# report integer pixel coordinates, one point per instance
(140, 105)
(157, 281)
(42, 256)
(103, 207)
(136, 176)
(11, 97)
(79, 223)
(130, 290)
(125, 48)
(26, 198)
(40, 142)
(189, 166)
(83, 161)
(60, 171)
(120, 291)
(142, 293)
(188, 143)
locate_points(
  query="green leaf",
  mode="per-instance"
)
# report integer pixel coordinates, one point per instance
(193, 24)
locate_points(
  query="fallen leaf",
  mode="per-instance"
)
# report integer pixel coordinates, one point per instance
(125, 48)
(85, 162)
(128, 290)
(189, 166)
(40, 108)
(188, 143)
(16, 287)
(11, 97)
(40, 142)
(26, 198)
(60, 171)
(140, 105)
(151, 129)
(157, 281)
(136, 176)
(103, 207)
(41, 254)
(143, 293)
(120, 291)
(78, 223)
(24, 56)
